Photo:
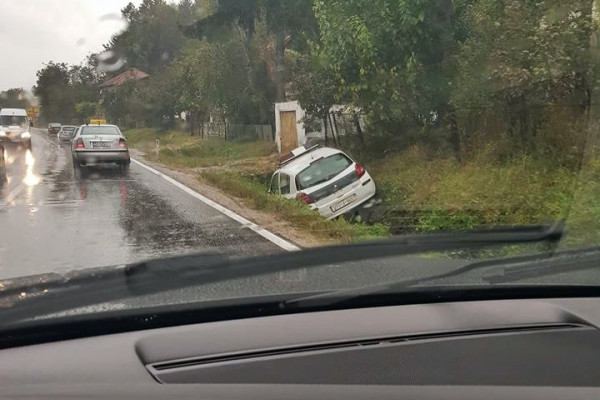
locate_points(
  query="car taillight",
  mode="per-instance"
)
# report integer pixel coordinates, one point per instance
(79, 144)
(360, 170)
(305, 198)
(122, 144)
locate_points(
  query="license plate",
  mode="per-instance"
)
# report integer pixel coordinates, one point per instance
(343, 203)
(101, 145)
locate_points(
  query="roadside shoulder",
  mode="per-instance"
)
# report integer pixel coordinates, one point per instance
(194, 181)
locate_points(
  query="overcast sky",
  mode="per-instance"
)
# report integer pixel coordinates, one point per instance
(34, 32)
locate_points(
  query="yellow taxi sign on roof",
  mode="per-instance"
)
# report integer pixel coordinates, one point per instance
(97, 121)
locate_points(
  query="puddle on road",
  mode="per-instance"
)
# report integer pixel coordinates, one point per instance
(31, 178)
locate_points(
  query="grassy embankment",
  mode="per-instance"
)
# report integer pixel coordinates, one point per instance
(427, 195)
(243, 170)
(419, 194)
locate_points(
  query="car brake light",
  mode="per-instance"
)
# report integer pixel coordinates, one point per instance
(305, 198)
(360, 170)
(79, 144)
(122, 144)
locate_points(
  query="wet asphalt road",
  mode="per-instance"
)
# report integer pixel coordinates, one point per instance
(52, 221)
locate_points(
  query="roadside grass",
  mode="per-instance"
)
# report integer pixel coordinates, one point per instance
(181, 150)
(425, 195)
(254, 194)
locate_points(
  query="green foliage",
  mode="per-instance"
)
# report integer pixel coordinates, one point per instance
(522, 63)
(61, 87)
(85, 110)
(389, 57)
(152, 38)
(13, 98)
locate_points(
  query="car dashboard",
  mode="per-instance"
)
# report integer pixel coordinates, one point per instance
(496, 349)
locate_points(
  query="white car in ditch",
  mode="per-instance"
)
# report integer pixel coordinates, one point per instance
(324, 178)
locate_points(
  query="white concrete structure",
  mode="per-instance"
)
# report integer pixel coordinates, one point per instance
(282, 108)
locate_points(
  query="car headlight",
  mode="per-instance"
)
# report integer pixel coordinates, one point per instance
(25, 135)
(2, 133)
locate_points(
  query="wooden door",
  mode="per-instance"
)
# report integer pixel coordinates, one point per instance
(289, 134)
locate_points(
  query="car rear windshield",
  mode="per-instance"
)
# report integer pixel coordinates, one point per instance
(322, 170)
(100, 130)
(7, 120)
(68, 128)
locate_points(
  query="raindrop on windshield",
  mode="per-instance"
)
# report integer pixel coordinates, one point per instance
(108, 61)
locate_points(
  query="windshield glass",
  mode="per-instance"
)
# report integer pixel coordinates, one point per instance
(322, 170)
(99, 130)
(248, 129)
(7, 120)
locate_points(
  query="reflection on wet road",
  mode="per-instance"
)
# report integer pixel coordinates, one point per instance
(52, 221)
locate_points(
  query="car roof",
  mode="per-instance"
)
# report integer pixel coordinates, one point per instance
(19, 112)
(300, 163)
(55, 123)
(69, 126)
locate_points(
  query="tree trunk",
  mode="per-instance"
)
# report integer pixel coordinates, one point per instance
(455, 135)
(359, 131)
(325, 123)
(279, 66)
(336, 132)
(192, 117)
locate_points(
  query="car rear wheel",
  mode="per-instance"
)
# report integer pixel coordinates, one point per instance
(124, 167)
(79, 170)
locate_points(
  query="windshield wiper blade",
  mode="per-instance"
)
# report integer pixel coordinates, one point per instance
(568, 261)
(82, 289)
(513, 269)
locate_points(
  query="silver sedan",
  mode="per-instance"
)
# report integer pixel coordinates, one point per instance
(99, 144)
(66, 132)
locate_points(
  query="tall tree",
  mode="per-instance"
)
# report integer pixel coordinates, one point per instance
(152, 39)
(14, 98)
(392, 58)
(52, 88)
(289, 22)
(527, 67)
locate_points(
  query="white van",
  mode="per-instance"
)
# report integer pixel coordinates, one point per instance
(14, 126)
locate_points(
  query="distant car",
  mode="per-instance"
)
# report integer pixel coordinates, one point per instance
(99, 144)
(66, 132)
(324, 178)
(14, 127)
(53, 128)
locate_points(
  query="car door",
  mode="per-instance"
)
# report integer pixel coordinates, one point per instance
(285, 185)
(274, 186)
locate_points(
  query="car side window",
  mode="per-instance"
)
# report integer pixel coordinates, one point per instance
(274, 187)
(284, 183)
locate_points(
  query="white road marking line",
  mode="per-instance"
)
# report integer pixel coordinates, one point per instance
(284, 244)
